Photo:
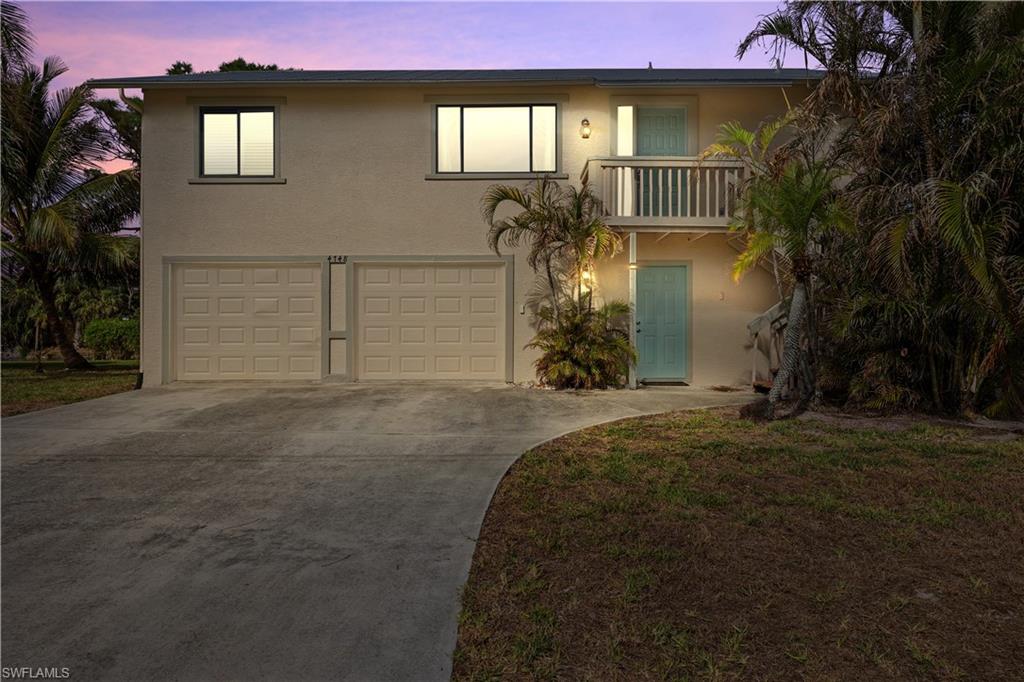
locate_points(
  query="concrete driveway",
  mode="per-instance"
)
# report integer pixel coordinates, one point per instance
(275, 532)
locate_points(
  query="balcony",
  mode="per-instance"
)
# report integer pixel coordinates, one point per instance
(666, 193)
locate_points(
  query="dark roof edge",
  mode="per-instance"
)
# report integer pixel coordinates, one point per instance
(144, 83)
(770, 79)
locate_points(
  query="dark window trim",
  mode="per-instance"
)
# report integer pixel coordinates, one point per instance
(238, 142)
(462, 137)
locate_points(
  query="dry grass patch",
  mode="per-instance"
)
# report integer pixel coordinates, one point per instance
(25, 390)
(702, 546)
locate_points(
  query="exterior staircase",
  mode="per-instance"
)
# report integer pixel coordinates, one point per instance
(767, 330)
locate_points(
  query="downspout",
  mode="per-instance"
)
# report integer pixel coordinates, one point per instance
(142, 296)
(128, 103)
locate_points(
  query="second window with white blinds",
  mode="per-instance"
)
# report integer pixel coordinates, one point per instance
(497, 139)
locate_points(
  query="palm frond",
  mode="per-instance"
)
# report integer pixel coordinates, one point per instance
(759, 245)
(16, 39)
(51, 227)
(496, 195)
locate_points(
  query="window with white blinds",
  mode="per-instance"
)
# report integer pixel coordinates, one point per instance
(237, 141)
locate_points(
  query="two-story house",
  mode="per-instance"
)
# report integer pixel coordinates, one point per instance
(299, 225)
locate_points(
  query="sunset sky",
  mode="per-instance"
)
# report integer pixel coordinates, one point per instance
(100, 39)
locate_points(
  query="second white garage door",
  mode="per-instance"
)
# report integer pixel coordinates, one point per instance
(430, 321)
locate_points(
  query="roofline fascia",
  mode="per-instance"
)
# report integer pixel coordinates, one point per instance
(717, 84)
(100, 84)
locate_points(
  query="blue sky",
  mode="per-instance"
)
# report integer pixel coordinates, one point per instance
(100, 39)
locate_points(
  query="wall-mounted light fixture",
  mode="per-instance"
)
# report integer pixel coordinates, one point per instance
(587, 280)
(585, 128)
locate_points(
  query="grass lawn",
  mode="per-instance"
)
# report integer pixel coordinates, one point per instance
(697, 545)
(22, 390)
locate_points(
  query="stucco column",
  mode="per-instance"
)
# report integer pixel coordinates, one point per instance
(632, 302)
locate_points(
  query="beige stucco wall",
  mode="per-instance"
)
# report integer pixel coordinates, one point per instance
(720, 308)
(355, 161)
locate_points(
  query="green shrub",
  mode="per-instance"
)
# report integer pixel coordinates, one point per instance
(886, 383)
(113, 338)
(584, 347)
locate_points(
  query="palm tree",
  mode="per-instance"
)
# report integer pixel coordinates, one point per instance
(848, 39)
(588, 238)
(787, 204)
(535, 224)
(581, 345)
(59, 210)
(564, 228)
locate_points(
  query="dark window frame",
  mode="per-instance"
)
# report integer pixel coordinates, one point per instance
(238, 141)
(462, 137)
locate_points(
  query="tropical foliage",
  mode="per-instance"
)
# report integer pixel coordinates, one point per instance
(922, 304)
(113, 338)
(240, 64)
(79, 300)
(123, 120)
(60, 211)
(583, 344)
(180, 67)
(788, 208)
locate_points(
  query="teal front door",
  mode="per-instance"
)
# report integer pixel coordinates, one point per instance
(660, 131)
(661, 318)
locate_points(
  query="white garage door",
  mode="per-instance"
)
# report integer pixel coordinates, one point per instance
(246, 321)
(430, 321)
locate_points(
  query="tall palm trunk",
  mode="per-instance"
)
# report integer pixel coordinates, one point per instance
(552, 284)
(790, 345)
(47, 297)
(39, 353)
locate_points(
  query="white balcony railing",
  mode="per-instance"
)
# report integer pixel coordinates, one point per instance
(666, 191)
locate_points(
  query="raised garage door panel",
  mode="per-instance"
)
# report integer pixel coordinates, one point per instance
(246, 321)
(430, 321)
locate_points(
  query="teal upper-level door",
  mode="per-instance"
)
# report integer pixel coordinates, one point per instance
(660, 131)
(661, 319)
